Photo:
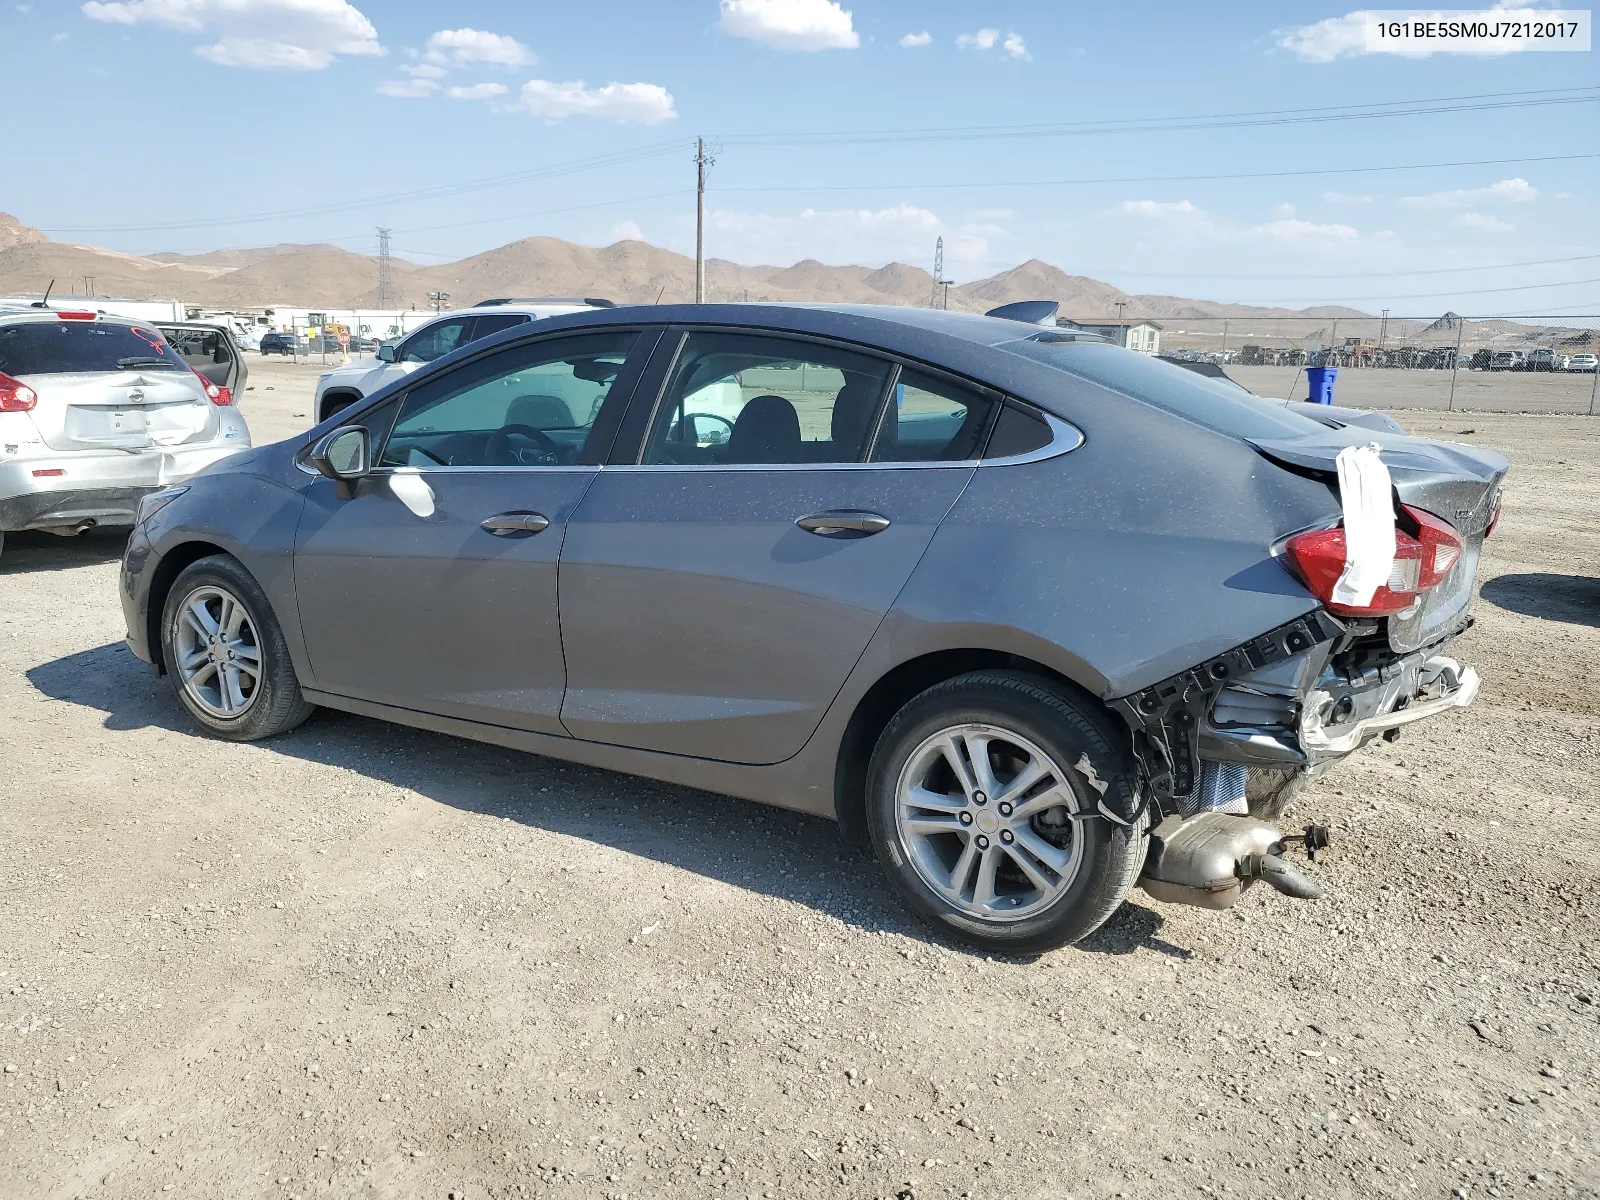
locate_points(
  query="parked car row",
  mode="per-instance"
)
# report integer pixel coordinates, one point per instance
(1035, 617)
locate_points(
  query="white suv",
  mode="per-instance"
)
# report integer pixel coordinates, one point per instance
(338, 389)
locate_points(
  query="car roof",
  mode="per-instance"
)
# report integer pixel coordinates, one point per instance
(14, 315)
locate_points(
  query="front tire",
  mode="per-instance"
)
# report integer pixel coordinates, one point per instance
(984, 805)
(225, 653)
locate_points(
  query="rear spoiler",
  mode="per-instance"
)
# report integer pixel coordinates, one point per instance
(1030, 312)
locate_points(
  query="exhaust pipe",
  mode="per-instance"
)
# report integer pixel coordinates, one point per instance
(1208, 860)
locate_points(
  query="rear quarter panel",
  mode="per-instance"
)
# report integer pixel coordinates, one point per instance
(1144, 551)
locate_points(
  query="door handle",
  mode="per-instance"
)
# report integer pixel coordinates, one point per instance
(513, 524)
(844, 521)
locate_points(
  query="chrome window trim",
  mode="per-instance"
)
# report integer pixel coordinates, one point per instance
(1065, 437)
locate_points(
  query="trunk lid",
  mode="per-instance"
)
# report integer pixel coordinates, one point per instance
(121, 410)
(1457, 482)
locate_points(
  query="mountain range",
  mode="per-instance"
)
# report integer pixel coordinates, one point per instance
(628, 271)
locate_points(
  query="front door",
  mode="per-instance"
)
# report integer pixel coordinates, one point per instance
(434, 586)
(716, 594)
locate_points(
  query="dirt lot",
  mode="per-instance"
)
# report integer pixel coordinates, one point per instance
(366, 961)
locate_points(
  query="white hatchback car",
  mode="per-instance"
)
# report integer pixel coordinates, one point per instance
(338, 389)
(96, 412)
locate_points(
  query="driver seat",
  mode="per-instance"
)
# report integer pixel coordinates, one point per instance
(766, 431)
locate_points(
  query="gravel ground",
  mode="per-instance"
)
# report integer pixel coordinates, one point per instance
(363, 961)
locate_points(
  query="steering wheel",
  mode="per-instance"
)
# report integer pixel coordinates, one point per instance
(692, 428)
(497, 451)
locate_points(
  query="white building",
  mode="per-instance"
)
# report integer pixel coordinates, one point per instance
(1141, 336)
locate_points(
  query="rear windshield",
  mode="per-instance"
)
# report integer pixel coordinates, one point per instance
(56, 347)
(1215, 403)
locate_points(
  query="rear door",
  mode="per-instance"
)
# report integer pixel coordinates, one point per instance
(717, 589)
(106, 385)
(433, 587)
(211, 351)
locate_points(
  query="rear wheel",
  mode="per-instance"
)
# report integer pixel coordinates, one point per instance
(984, 801)
(225, 653)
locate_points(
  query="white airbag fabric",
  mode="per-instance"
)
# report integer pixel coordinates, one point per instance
(1367, 496)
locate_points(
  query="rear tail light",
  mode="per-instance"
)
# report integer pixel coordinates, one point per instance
(16, 396)
(77, 316)
(215, 392)
(1420, 563)
(1494, 517)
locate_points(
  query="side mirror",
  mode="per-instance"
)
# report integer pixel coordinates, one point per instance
(385, 353)
(343, 456)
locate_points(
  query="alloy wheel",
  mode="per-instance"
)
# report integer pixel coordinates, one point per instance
(990, 821)
(218, 652)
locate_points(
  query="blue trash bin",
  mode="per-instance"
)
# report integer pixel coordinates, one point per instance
(1321, 381)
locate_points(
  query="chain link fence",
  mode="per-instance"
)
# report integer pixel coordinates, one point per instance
(1532, 364)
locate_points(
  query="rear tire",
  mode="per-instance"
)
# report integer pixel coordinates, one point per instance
(984, 803)
(226, 655)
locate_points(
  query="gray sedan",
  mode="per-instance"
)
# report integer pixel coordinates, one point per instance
(1036, 617)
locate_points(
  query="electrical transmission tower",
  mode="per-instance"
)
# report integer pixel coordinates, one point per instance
(941, 285)
(385, 271)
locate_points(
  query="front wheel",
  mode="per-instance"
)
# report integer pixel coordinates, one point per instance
(225, 653)
(986, 801)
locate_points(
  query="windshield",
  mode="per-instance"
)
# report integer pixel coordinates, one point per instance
(57, 347)
(1218, 404)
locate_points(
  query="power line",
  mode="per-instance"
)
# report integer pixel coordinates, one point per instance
(1183, 123)
(548, 172)
(1020, 183)
(1526, 287)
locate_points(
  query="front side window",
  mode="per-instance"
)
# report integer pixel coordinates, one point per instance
(526, 406)
(931, 420)
(741, 398)
(434, 341)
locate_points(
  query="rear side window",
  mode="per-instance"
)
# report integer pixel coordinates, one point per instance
(199, 347)
(930, 420)
(1017, 432)
(484, 326)
(58, 347)
(1213, 403)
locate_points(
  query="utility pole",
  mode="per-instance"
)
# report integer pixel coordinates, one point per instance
(1461, 328)
(941, 285)
(385, 270)
(1383, 329)
(1224, 339)
(702, 160)
(438, 300)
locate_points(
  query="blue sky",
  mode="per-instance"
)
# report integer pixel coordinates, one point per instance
(196, 124)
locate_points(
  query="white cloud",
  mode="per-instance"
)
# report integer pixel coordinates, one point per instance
(993, 214)
(1346, 198)
(1507, 191)
(1298, 231)
(454, 46)
(1160, 208)
(1327, 40)
(1015, 46)
(1481, 223)
(58, 38)
(627, 231)
(634, 103)
(270, 35)
(408, 89)
(984, 39)
(424, 71)
(917, 39)
(791, 24)
(477, 91)
(1283, 210)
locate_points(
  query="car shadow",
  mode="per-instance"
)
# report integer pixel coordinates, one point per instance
(791, 856)
(29, 551)
(1574, 599)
